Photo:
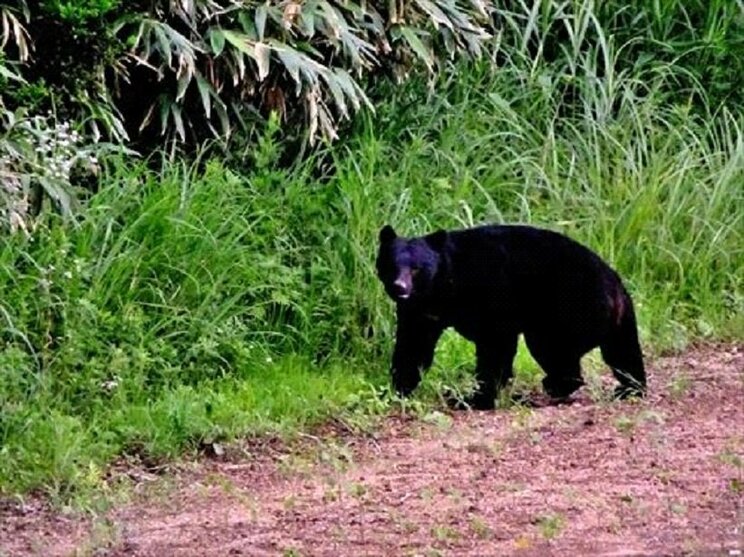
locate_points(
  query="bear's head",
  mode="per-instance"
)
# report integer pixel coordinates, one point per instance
(409, 267)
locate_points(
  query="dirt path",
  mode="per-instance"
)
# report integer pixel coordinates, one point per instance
(660, 477)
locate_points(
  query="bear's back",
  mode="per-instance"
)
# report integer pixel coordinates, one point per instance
(526, 270)
(525, 248)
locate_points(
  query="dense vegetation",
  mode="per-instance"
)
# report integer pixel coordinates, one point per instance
(194, 299)
(193, 67)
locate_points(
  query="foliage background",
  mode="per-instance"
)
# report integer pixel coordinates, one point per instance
(154, 303)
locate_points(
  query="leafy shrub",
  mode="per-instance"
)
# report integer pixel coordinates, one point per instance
(41, 158)
(78, 11)
(187, 68)
(14, 36)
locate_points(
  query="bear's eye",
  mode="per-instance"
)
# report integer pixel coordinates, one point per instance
(415, 271)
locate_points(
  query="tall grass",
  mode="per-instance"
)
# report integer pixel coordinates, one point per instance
(193, 303)
(184, 305)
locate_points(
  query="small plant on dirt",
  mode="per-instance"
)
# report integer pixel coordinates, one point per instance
(233, 491)
(289, 502)
(456, 495)
(444, 533)
(594, 386)
(729, 456)
(410, 527)
(736, 485)
(331, 494)
(614, 525)
(366, 408)
(521, 417)
(357, 490)
(426, 494)
(664, 475)
(442, 421)
(496, 448)
(625, 424)
(522, 542)
(691, 546)
(104, 535)
(480, 527)
(294, 463)
(571, 494)
(291, 552)
(551, 525)
(652, 417)
(487, 449)
(677, 508)
(513, 487)
(416, 406)
(534, 437)
(336, 455)
(680, 385)
(508, 397)
(405, 525)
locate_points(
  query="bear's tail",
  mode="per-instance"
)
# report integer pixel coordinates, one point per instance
(622, 350)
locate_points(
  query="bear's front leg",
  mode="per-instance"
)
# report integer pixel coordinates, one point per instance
(415, 339)
(494, 359)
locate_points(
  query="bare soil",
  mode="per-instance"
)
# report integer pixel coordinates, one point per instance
(659, 477)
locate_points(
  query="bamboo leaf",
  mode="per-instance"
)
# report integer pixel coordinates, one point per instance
(327, 125)
(263, 58)
(312, 114)
(307, 23)
(147, 117)
(337, 93)
(248, 24)
(239, 41)
(163, 43)
(216, 40)
(7, 74)
(221, 111)
(178, 120)
(292, 64)
(352, 90)
(435, 13)
(481, 7)
(260, 20)
(421, 50)
(205, 92)
(183, 84)
(165, 105)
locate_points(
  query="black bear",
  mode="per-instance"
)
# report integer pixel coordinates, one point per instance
(492, 283)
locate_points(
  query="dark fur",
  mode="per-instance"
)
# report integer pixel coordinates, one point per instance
(493, 283)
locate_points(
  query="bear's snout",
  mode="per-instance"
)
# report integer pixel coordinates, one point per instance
(403, 285)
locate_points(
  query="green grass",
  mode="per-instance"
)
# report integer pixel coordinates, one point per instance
(179, 309)
(70, 451)
(192, 303)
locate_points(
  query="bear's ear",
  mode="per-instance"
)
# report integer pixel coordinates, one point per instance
(437, 239)
(387, 234)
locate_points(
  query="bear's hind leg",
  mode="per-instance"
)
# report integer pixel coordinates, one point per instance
(563, 380)
(622, 352)
(562, 368)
